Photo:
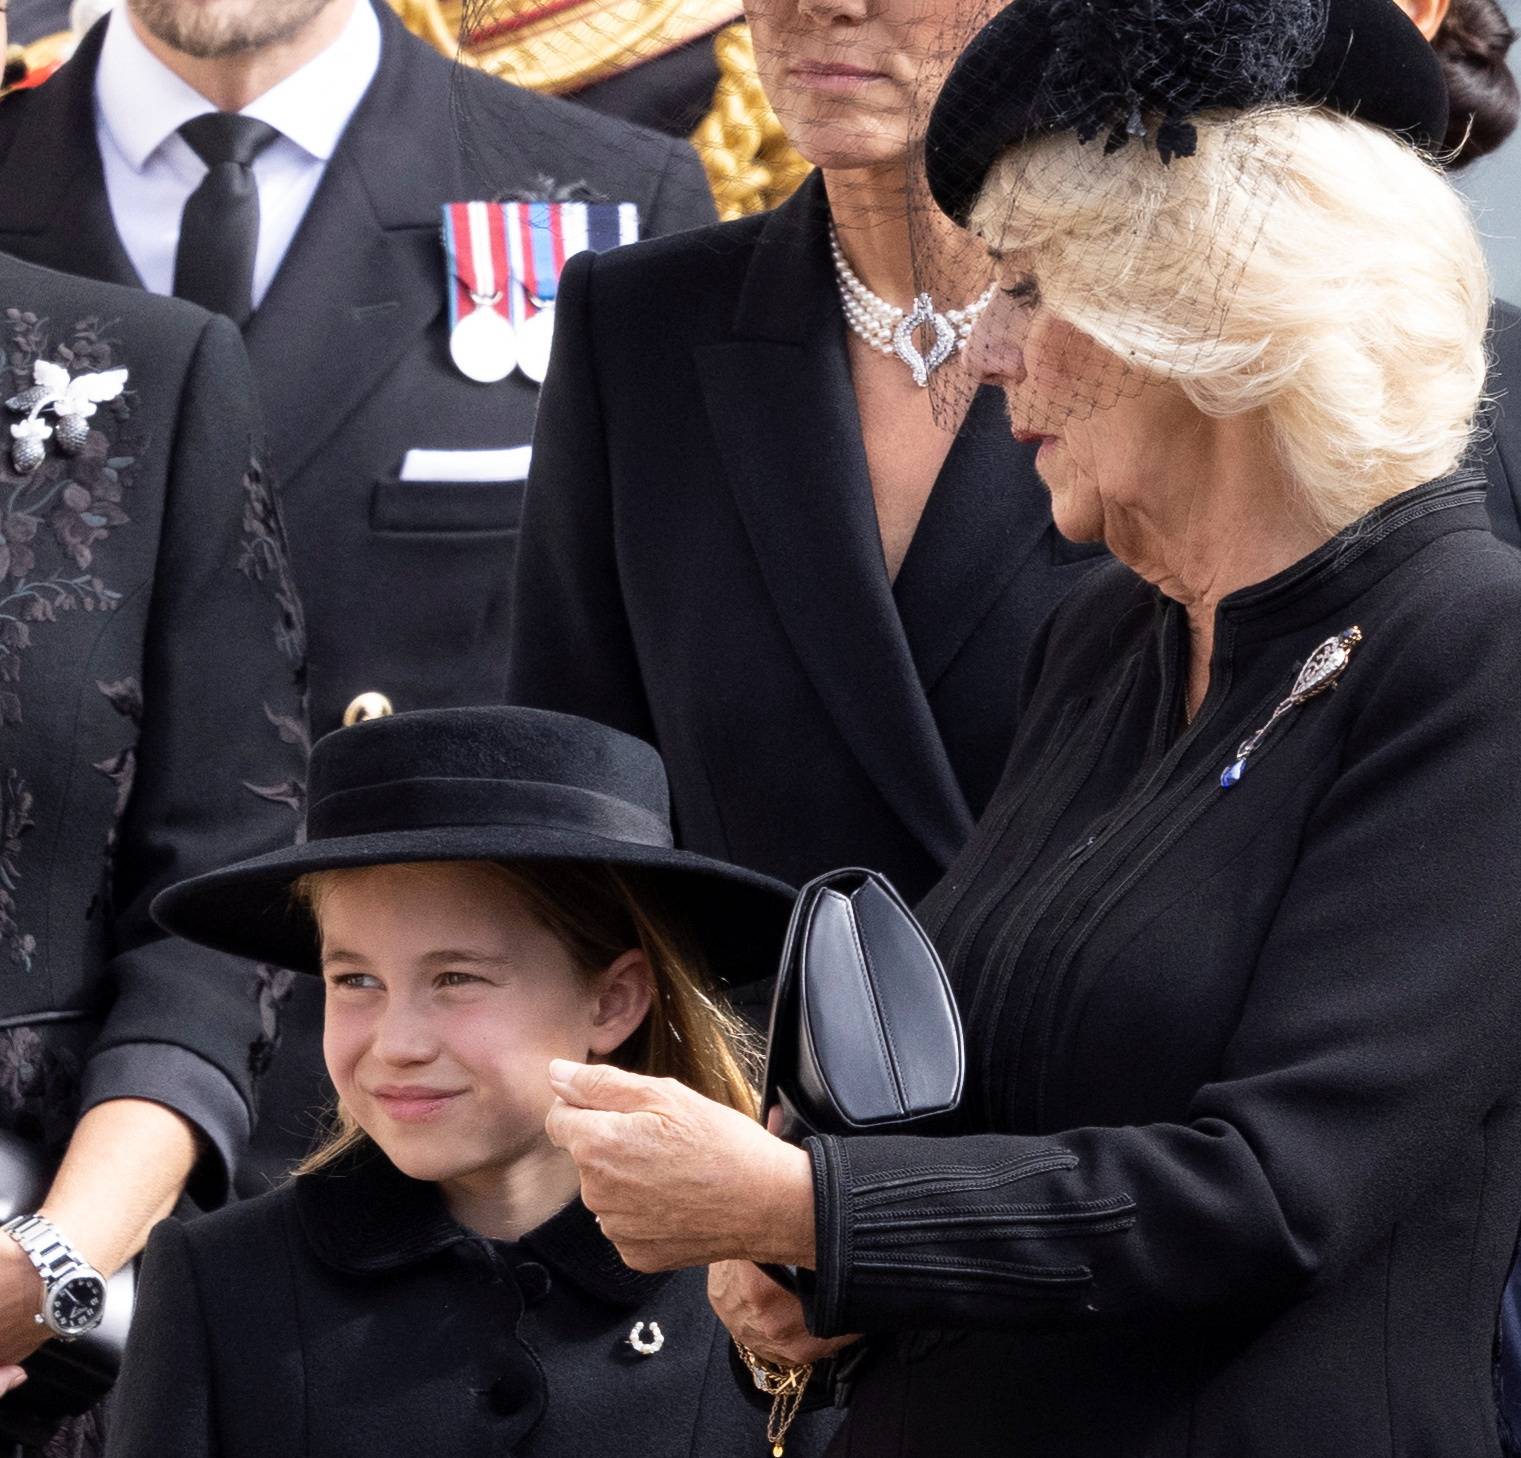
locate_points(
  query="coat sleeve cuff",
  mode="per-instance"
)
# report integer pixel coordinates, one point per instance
(977, 1231)
(164, 1073)
(823, 1289)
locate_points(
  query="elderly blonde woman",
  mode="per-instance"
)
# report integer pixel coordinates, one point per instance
(1238, 1169)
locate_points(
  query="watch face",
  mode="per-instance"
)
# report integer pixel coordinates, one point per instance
(78, 1305)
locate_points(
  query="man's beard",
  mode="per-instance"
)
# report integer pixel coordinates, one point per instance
(219, 28)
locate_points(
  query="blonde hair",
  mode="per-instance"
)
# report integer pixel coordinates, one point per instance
(1301, 263)
(597, 913)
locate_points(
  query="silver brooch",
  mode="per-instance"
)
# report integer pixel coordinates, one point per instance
(1321, 669)
(72, 401)
(924, 315)
(646, 1346)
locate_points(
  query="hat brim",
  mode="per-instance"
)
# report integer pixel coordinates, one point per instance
(738, 917)
(1373, 65)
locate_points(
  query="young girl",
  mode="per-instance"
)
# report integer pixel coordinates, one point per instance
(481, 890)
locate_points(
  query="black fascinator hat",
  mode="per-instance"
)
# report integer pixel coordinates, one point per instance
(1120, 71)
(487, 784)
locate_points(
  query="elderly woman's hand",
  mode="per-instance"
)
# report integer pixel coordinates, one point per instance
(763, 1317)
(676, 1179)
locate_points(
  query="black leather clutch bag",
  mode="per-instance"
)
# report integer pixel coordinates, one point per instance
(63, 1378)
(865, 1034)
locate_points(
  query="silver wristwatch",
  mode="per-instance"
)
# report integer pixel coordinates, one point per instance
(73, 1291)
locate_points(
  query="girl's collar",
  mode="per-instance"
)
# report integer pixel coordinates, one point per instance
(362, 1215)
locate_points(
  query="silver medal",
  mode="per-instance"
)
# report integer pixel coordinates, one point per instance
(534, 340)
(484, 346)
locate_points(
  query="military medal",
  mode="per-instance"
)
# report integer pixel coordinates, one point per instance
(482, 341)
(505, 261)
(540, 237)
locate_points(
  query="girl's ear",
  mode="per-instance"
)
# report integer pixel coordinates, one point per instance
(625, 990)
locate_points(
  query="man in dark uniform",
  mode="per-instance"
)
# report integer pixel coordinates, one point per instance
(285, 162)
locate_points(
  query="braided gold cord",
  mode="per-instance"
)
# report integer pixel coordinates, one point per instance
(751, 166)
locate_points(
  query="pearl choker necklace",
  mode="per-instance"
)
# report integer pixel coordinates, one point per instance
(890, 330)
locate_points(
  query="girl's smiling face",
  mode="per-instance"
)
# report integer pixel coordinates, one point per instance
(445, 1001)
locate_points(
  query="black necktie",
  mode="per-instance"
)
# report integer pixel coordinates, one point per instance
(219, 229)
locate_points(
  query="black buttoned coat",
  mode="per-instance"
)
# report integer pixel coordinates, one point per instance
(702, 566)
(149, 712)
(406, 584)
(1238, 1169)
(346, 1315)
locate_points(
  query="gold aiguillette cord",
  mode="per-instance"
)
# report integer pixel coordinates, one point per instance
(784, 1386)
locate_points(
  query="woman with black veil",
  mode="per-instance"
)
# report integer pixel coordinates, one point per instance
(1238, 1167)
(750, 537)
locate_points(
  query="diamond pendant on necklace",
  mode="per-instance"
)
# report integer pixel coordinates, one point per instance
(893, 331)
(924, 314)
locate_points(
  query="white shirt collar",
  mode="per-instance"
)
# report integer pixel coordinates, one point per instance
(143, 103)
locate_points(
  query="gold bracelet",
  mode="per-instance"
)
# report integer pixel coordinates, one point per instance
(783, 1385)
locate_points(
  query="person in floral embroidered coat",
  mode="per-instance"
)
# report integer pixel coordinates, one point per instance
(150, 727)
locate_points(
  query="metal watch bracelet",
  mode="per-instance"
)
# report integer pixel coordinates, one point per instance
(57, 1262)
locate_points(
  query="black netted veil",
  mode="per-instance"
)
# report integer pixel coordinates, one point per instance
(1069, 134)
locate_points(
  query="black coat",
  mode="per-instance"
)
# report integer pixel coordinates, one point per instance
(406, 585)
(1238, 1172)
(345, 1315)
(149, 713)
(1501, 447)
(701, 563)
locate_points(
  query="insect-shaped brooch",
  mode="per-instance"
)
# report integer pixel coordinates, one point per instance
(72, 401)
(1321, 670)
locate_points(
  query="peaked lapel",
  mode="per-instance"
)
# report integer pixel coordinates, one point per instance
(988, 515)
(364, 273)
(798, 471)
(53, 207)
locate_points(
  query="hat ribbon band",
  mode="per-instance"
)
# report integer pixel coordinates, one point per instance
(439, 804)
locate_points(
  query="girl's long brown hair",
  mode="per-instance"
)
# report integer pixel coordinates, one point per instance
(598, 913)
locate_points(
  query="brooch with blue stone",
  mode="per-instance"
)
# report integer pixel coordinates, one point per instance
(1320, 671)
(72, 401)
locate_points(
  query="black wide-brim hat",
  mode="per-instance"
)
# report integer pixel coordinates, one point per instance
(486, 784)
(1369, 62)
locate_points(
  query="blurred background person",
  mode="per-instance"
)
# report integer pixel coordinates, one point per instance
(749, 539)
(285, 162)
(150, 645)
(1238, 1167)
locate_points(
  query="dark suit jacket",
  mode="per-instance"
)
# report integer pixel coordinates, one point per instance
(346, 1315)
(149, 713)
(406, 585)
(701, 562)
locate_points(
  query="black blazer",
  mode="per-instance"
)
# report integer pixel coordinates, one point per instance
(1238, 1171)
(345, 1315)
(701, 563)
(149, 713)
(406, 585)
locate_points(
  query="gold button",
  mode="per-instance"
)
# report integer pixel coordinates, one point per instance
(367, 706)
